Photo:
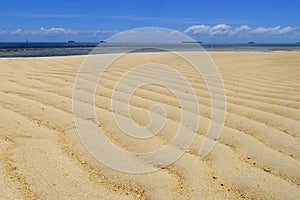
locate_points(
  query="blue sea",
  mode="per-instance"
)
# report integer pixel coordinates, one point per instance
(32, 49)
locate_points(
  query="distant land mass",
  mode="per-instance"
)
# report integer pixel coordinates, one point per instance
(192, 42)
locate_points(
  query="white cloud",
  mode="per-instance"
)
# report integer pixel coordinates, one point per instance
(197, 29)
(238, 30)
(263, 30)
(287, 29)
(224, 29)
(219, 29)
(43, 31)
(56, 31)
(17, 32)
(277, 30)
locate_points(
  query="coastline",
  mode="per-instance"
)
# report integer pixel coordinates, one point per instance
(66, 49)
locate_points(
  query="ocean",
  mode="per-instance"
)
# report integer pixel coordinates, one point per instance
(44, 49)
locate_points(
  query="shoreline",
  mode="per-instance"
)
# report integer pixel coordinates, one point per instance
(208, 52)
(53, 49)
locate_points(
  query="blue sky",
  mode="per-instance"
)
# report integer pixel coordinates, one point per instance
(205, 20)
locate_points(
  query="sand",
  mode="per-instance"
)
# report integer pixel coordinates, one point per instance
(257, 156)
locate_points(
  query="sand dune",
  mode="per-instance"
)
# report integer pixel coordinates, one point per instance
(257, 156)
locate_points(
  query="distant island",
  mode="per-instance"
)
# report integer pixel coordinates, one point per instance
(192, 42)
(71, 41)
(251, 42)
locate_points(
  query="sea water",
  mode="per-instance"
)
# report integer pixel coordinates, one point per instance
(31, 49)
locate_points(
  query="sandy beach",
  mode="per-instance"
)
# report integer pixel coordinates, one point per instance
(256, 157)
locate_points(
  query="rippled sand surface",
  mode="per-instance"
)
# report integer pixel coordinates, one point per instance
(257, 156)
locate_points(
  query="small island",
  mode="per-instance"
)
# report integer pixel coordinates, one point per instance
(199, 42)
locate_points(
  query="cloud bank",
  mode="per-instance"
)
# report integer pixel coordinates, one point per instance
(218, 32)
(224, 29)
(54, 34)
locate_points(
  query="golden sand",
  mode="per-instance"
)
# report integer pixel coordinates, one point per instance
(257, 156)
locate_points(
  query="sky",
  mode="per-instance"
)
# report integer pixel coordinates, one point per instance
(226, 21)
